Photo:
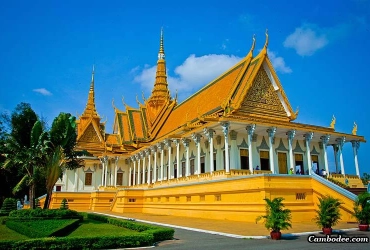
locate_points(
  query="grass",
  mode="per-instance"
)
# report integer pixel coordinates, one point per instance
(98, 228)
(8, 234)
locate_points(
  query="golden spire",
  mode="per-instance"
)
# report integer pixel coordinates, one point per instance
(160, 92)
(250, 54)
(90, 109)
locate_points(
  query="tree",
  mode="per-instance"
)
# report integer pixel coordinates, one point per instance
(365, 178)
(63, 138)
(25, 148)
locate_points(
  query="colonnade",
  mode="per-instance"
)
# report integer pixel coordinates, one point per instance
(149, 167)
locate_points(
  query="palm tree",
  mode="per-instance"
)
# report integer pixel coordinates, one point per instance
(28, 160)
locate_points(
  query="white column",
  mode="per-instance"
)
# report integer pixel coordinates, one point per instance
(250, 129)
(134, 177)
(209, 133)
(102, 171)
(144, 167)
(138, 169)
(106, 170)
(308, 137)
(161, 148)
(129, 177)
(75, 187)
(196, 138)
(291, 135)
(177, 143)
(225, 130)
(147, 152)
(340, 142)
(356, 146)
(325, 139)
(154, 151)
(185, 142)
(170, 165)
(271, 132)
(115, 171)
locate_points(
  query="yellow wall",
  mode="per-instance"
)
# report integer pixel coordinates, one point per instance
(238, 199)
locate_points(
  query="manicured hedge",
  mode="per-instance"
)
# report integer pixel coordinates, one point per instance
(9, 204)
(43, 228)
(137, 240)
(27, 214)
(159, 233)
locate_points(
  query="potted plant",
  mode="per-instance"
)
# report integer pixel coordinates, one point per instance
(362, 210)
(277, 217)
(328, 214)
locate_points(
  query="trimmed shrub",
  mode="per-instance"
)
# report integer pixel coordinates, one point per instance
(159, 233)
(64, 204)
(43, 228)
(81, 243)
(27, 214)
(9, 205)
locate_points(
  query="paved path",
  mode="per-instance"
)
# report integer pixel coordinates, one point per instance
(204, 234)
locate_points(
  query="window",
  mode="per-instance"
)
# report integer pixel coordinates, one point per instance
(188, 198)
(244, 159)
(88, 179)
(58, 188)
(201, 197)
(217, 197)
(131, 200)
(183, 168)
(282, 163)
(265, 160)
(175, 170)
(192, 166)
(119, 179)
(202, 165)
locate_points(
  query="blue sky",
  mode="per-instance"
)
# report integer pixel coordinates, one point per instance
(319, 49)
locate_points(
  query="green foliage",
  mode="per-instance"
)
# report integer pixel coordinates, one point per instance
(159, 233)
(28, 214)
(22, 120)
(64, 204)
(365, 178)
(8, 234)
(338, 183)
(37, 203)
(277, 217)
(362, 208)
(81, 243)
(43, 228)
(328, 214)
(9, 205)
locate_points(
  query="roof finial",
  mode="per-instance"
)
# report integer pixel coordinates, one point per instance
(267, 39)
(354, 130)
(254, 42)
(92, 78)
(161, 48)
(332, 124)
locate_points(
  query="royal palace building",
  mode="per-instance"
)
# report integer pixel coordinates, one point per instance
(217, 154)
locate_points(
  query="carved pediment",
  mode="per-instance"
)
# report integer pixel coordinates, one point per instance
(90, 134)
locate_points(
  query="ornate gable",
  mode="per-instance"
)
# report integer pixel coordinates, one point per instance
(262, 97)
(90, 135)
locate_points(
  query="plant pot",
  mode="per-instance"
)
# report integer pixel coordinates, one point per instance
(275, 235)
(327, 230)
(363, 227)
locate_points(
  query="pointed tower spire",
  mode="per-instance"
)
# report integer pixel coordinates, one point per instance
(90, 109)
(160, 92)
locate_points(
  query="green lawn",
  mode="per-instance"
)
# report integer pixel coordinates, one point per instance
(98, 228)
(8, 234)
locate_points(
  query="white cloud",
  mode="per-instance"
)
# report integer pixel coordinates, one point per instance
(278, 62)
(306, 40)
(191, 75)
(42, 91)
